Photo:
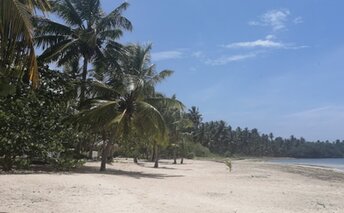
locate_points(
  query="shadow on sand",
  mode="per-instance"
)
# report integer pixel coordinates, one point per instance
(87, 169)
(133, 174)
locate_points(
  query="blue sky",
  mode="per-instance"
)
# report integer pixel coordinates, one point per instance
(271, 64)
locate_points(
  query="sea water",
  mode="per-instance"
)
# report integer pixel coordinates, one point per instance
(336, 163)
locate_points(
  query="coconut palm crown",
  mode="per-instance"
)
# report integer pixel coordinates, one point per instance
(86, 31)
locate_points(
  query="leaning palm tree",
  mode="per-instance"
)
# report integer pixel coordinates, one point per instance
(85, 33)
(128, 106)
(17, 53)
(130, 112)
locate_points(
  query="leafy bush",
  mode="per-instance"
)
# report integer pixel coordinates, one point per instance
(22, 163)
(66, 164)
(228, 154)
(198, 150)
(190, 155)
(32, 124)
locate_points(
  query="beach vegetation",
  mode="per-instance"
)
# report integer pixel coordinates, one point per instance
(86, 92)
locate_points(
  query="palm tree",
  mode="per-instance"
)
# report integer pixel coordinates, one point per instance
(177, 124)
(196, 118)
(17, 53)
(85, 34)
(130, 107)
(131, 112)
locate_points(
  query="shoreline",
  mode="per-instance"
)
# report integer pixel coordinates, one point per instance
(196, 186)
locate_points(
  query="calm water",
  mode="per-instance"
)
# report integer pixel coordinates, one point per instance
(337, 163)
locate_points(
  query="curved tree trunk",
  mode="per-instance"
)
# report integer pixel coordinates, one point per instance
(156, 163)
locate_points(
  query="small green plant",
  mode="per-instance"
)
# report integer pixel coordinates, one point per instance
(66, 164)
(190, 155)
(229, 164)
(22, 163)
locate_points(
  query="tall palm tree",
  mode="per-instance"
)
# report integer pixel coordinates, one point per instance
(17, 53)
(130, 112)
(196, 118)
(130, 108)
(177, 125)
(85, 33)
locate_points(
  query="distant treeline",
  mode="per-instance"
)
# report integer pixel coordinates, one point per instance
(220, 138)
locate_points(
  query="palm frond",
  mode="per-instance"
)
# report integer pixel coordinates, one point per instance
(88, 10)
(99, 89)
(16, 30)
(56, 50)
(168, 103)
(66, 10)
(111, 34)
(45, 26)
(161, 76)
(99, 115)
(115, 19)
(150, 120)
(43, 5)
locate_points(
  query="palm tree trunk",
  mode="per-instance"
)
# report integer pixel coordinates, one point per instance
(83, 81)
(174, 155)
(153, 152)
(104, 153)
(91, 146)
(182, 160)
(156, 164)
(110, 153)
(135, 160)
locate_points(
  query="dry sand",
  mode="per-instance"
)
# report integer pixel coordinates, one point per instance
(196, 186)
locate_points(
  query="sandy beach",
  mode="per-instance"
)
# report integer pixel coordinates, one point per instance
(196, 186)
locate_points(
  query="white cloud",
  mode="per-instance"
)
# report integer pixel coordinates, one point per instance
(166, 55)
(270, 37)
(298, 20)
(268, 42)
(320, 113)
(258, 43)
(198, 54)
(276, 19)
(227, 59)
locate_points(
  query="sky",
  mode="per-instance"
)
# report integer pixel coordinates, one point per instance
(274, 65)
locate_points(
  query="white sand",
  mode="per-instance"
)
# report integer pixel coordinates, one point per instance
(197, 186)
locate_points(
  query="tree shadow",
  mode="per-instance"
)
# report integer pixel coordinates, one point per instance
(92, 169)
(118, 172)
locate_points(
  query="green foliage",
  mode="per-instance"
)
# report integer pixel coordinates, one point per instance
(221, 139)
(22, 163)
(32, 123)
(198, 149)
(66, 163)
(190, 155)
